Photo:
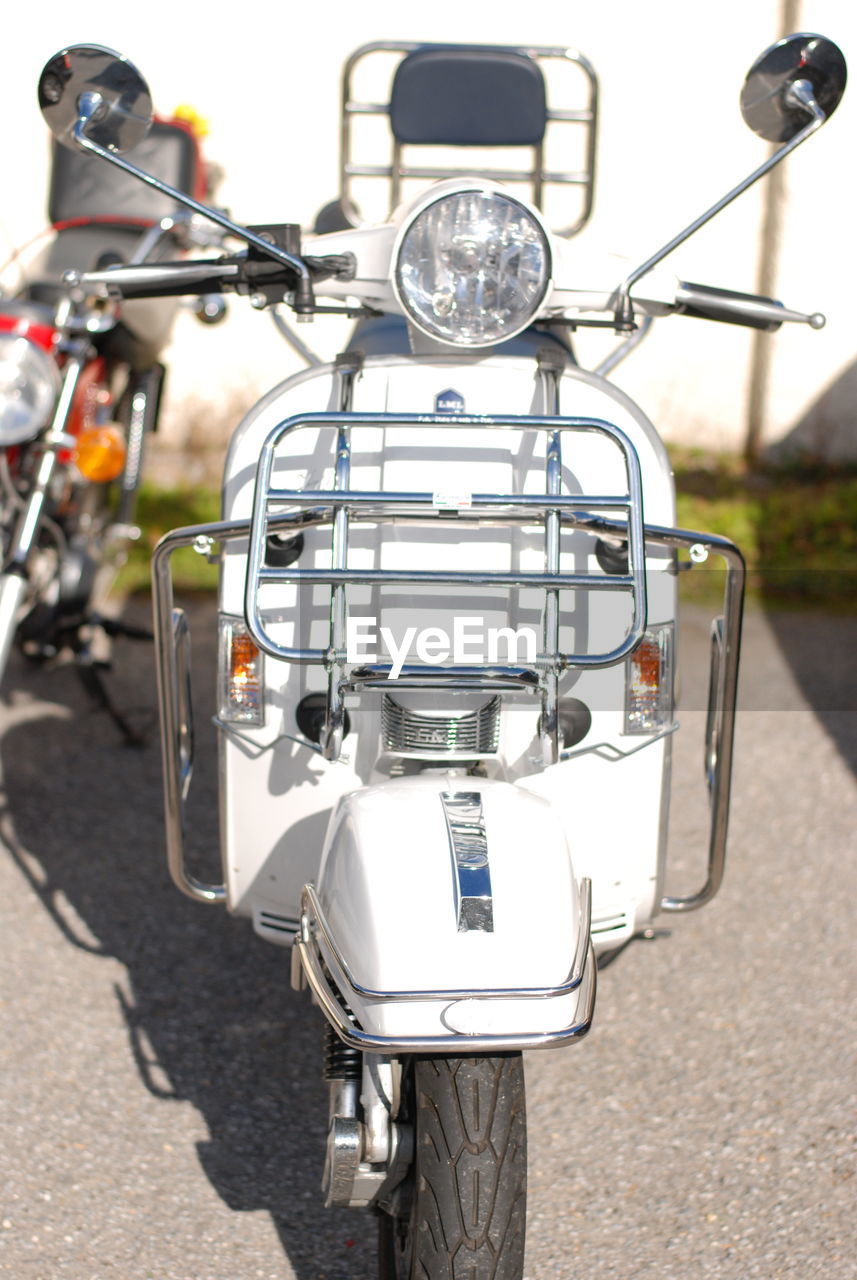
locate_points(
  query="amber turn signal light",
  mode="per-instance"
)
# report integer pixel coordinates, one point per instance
(241, 675)
(649, 682)
(100, 453)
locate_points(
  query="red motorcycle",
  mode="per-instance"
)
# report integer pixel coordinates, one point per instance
(80, 391)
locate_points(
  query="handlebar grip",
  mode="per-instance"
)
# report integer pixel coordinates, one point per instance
(195, 277)
(749, 309)
(158, 280)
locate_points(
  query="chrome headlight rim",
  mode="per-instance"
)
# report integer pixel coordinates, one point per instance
(443, 191)
(29, 386)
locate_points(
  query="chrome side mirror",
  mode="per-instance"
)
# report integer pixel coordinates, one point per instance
(96, 101)
(788, 94)
(87, 88)
(790, 82)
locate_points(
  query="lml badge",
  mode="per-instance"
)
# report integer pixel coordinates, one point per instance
(449, 402)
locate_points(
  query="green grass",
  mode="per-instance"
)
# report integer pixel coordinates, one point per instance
(158, 511)
(796, 526)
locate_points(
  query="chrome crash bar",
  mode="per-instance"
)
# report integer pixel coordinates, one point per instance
(172, 658)
(316, 936)
(331, 983)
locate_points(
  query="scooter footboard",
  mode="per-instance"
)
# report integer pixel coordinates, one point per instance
(447, 912)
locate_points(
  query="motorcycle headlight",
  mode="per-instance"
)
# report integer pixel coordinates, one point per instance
(472, 267)
(29, 386)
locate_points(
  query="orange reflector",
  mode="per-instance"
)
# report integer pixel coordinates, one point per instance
(100, 453)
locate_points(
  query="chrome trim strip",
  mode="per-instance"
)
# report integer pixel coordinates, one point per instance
(355, 1036)
(313, 923)
(468, 844)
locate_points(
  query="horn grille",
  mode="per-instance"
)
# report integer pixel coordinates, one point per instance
(474, 733)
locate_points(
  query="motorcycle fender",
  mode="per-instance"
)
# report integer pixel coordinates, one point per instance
(450, 905)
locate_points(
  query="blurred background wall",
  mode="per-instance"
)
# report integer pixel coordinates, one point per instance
(671, 141)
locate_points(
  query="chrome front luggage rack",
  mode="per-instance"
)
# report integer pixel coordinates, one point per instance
(290, 510)
(343, 505)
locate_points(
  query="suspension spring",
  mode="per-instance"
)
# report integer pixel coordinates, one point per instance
(341, 1062)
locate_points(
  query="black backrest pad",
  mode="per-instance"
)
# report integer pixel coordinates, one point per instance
(467, 96)
(83, 186)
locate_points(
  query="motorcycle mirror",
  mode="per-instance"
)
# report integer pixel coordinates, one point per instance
(785, 79)
(96, 88)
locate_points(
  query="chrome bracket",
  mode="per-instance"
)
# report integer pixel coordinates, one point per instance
(342, 1160)
(365, 1158)
(607, 750)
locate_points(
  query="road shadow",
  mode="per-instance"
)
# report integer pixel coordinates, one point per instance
(827, 428)
(822, 649)
(210, 1014)
(806, 588)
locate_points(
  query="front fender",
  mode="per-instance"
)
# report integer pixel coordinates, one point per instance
(448, 904)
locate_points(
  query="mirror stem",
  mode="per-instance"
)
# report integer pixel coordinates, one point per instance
(88, 108)
(801, 95)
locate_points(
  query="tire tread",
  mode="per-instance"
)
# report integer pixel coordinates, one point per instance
(471, 1169)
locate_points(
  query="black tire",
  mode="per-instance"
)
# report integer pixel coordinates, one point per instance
(462, 1211)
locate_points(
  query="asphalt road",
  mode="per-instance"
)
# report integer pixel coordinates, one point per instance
(163, 1108)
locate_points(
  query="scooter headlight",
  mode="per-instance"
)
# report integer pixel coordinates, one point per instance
(473, 267)
(29, 386)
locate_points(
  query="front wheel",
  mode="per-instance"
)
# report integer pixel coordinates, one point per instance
(461, 1213)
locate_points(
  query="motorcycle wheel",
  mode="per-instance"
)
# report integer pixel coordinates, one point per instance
(462, 1209)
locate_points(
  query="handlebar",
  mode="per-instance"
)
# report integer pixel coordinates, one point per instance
(247, 274)
(729, 307)
(173, 279)
(158, 280)
(239, 273)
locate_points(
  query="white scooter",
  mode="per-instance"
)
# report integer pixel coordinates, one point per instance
(447, 614)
